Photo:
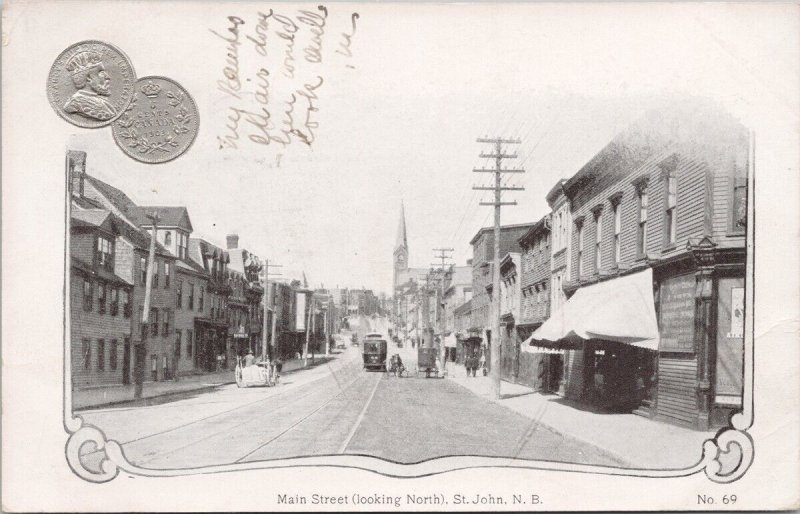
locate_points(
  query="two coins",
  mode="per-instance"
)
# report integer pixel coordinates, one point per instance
(92, 84)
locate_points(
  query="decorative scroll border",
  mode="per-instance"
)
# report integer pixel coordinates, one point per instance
(114, 460)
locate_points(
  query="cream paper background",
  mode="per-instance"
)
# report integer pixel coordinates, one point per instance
(754, 71)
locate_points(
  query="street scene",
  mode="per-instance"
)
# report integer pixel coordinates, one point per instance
(336, 408)
(607, 331)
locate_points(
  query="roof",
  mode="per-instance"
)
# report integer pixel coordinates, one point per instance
(127, 208)
(541, 226)
(199, 247)
(555, 190)
(93, 217)
(168, 216)
(101, 272)
(503, 228)
(241, 258)
(695, 127)
(117, 198)
(464, 307)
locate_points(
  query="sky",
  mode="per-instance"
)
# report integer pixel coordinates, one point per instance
(398, 120)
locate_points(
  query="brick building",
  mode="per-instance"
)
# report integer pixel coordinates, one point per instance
(482, 261)
(245, 308)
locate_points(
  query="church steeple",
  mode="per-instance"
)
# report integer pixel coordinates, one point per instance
(402, 240)
(401, 248)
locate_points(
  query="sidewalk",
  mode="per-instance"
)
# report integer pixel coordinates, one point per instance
(117, 394)
(636, 440)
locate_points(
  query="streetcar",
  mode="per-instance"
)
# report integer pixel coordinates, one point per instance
(374, 353)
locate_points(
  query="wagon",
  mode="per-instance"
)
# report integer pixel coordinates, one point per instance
(427, 361)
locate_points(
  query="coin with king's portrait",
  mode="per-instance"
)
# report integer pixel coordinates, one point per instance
(160, 123)
(91, 84)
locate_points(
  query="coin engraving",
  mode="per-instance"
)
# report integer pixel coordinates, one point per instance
(160, 123)
(91, 84)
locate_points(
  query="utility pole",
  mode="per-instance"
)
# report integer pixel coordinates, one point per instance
(443, 256)
(498, 156)
(148, 284)
(264, 345)
(308, 330)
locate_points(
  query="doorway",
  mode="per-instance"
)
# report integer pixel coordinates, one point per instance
(126, 361)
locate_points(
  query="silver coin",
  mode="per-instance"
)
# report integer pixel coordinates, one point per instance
(160, 123)
(91, 84)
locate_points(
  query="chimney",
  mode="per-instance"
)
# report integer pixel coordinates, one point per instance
(233, 241)
(76, 165)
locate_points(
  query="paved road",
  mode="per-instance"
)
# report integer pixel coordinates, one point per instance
(331, 409)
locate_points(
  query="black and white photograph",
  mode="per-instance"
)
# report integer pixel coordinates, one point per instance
(374, 256)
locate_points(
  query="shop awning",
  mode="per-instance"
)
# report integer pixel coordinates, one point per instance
(620, 309)
(541, 349)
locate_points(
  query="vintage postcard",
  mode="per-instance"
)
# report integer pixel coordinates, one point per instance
(374, 256)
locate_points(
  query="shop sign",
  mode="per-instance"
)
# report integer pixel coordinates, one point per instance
(677, 314)
(730, 341)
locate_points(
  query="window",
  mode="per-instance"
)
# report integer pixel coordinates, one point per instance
(154, 321)
(86, 353)
(167, 238)
(101, 355)
(105, 253)
(166, 275)
(191, 296)
(617, 231)
(156, 265)
(101, 298)
(670, 224)
(179, 294)
(126, 304)
(641, 239)
(177, 344)
(87, 295)
(143, 270)
(112, 355)
(189, 342)
(165, 324)
(598, 241)
(114, 308)
(580, 250)
(740, 204)
(183, 243)
(201, 297)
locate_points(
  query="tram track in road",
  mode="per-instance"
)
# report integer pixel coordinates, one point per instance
(279, 394)
(315, 411)
(230, 430)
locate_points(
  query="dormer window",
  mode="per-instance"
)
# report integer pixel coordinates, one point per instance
(105, 253)
(183, 244)
(167, 238)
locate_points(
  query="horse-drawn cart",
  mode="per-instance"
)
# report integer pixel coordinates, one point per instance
(428, 361)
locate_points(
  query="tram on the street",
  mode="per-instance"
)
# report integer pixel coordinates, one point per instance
(374, 353)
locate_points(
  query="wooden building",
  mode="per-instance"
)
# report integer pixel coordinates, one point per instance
(666, 197)
(100, 302)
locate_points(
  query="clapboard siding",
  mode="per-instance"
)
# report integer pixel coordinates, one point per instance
(676, 392)
(722, 193)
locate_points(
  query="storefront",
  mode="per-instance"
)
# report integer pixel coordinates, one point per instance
(210, 336)
(600, 345)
